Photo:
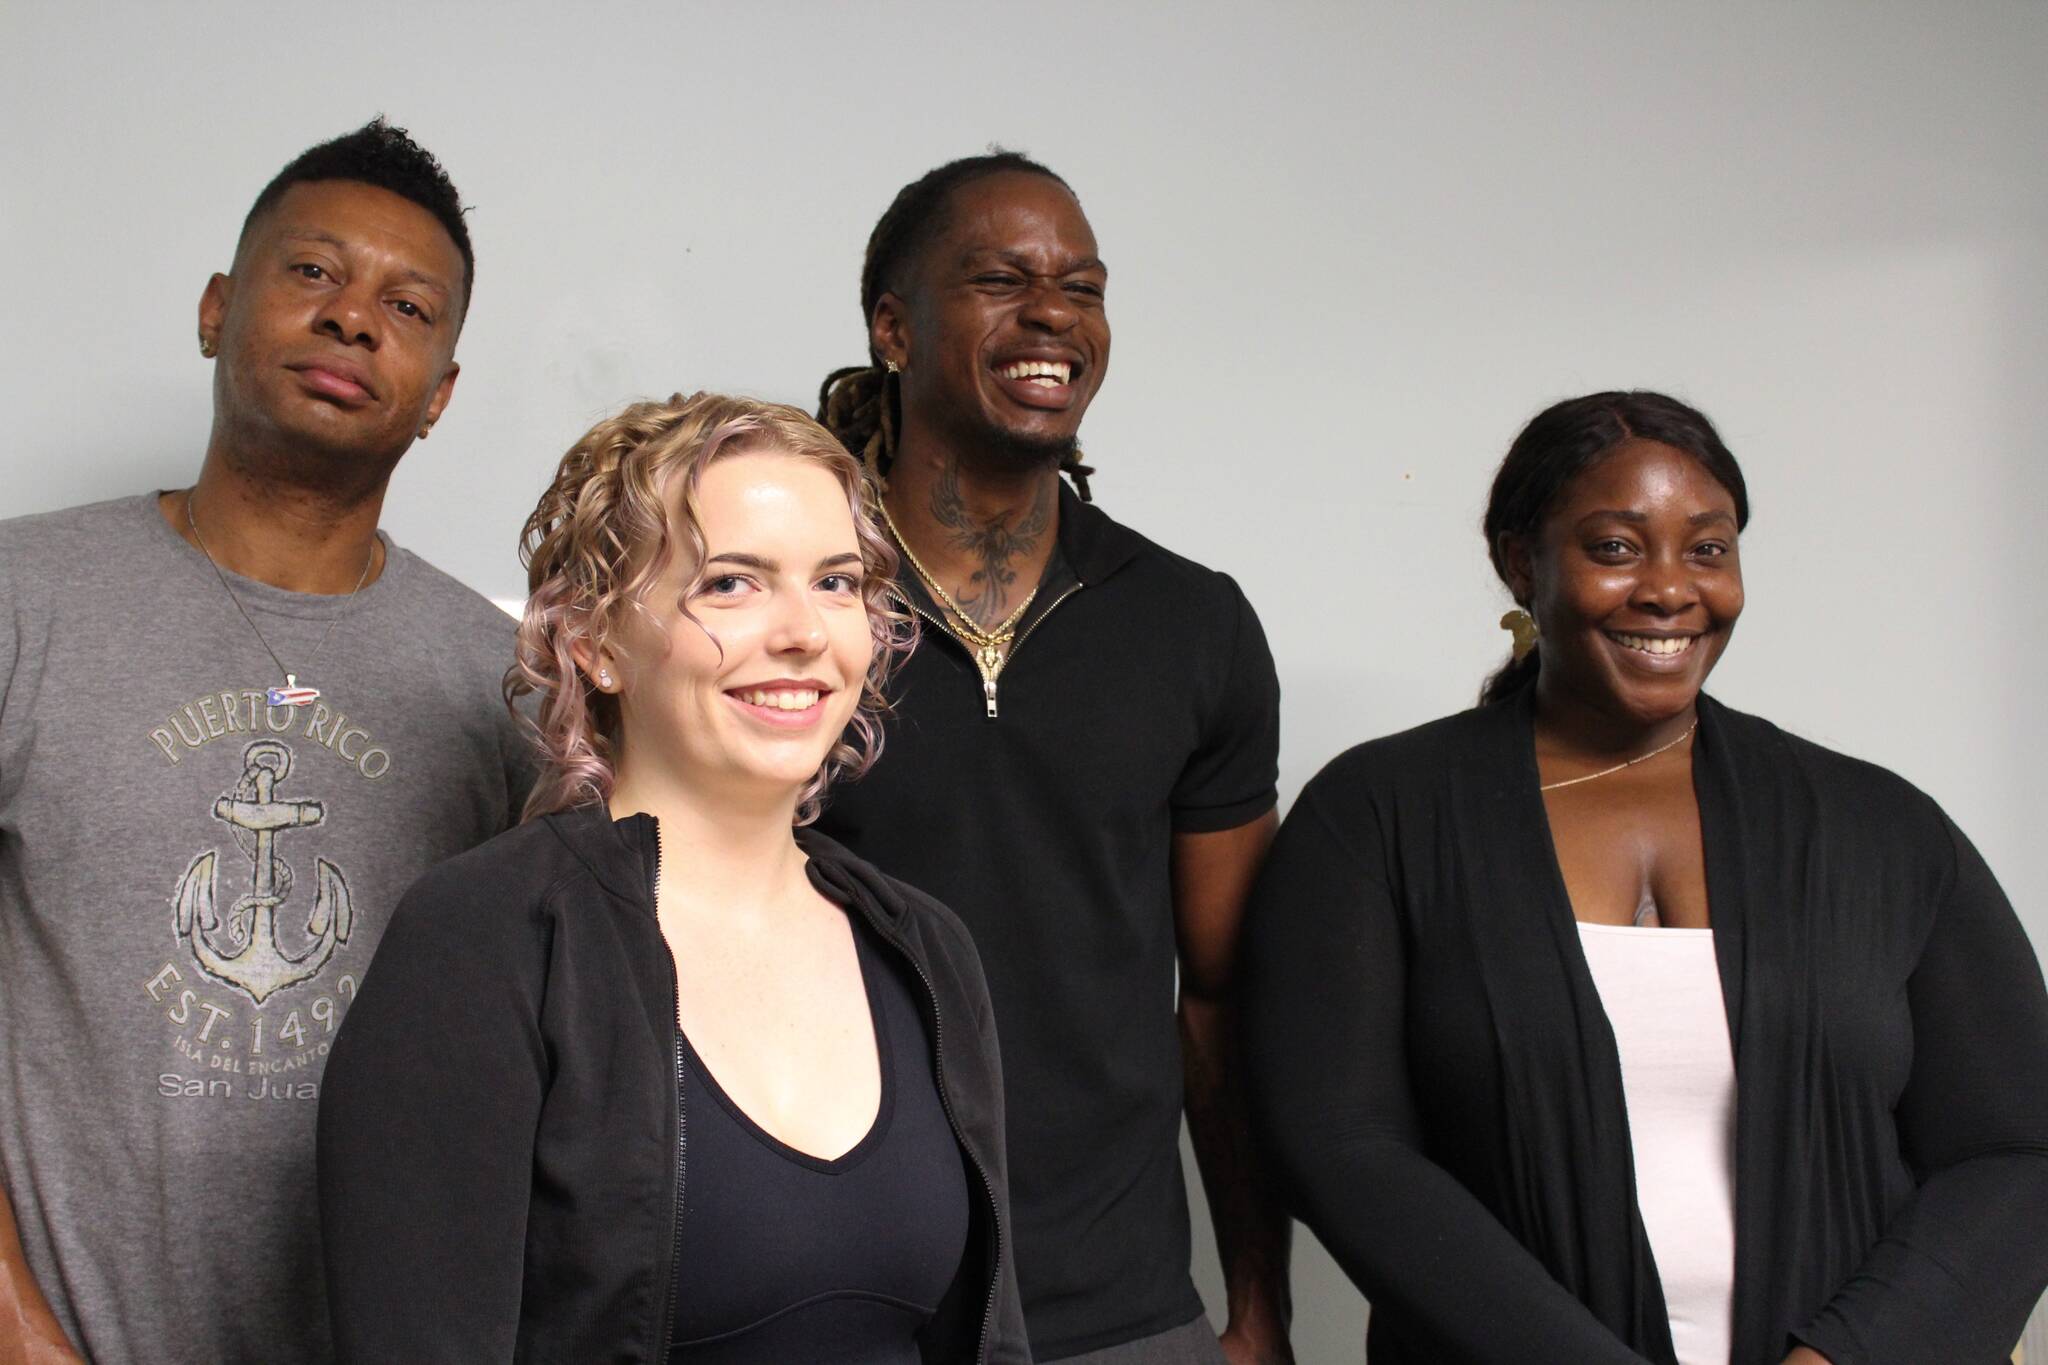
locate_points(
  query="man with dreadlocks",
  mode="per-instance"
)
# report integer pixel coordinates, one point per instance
(1082, 761)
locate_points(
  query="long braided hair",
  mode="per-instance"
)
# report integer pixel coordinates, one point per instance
(863, 404)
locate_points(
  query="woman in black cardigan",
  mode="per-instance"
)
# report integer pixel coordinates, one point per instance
(1441, 1082)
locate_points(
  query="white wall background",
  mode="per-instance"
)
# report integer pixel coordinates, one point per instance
(1352, 248)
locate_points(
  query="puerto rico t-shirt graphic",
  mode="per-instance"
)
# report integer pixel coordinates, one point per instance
(260, 911)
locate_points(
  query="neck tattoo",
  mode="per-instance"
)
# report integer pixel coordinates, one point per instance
(291, 693)
(994, 541)
(989, 645)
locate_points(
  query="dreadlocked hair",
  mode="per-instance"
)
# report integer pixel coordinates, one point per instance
(863, 404)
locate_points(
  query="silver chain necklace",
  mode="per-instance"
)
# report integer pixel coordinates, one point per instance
(291, 694)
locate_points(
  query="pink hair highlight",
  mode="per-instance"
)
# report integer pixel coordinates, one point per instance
(604, 532)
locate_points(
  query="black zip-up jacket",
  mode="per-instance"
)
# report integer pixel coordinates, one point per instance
(499, 1158)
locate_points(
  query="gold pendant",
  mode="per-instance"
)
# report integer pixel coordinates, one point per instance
(990, 659)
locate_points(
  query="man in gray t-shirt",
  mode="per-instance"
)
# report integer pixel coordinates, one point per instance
(236, 721)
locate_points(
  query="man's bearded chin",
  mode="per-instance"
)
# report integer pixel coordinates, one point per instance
(1017, 451)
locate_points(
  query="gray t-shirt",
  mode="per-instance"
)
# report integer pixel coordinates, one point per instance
(192, 881)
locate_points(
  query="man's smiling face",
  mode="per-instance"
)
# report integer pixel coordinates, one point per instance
(1005, 338)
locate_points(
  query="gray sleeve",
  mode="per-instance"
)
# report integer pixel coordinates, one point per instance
(20, 631)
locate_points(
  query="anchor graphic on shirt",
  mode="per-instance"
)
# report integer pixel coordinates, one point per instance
(246, 952)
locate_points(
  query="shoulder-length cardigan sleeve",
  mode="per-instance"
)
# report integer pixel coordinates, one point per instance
(1958, 1269)
(423, 1220)
(1325, 1002)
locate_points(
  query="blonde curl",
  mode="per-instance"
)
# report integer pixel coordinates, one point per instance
(604, 532)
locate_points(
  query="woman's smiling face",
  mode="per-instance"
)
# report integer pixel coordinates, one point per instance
(757, 664)
(1635, 583)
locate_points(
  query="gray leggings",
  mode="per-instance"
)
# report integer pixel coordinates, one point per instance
(1194, 1344)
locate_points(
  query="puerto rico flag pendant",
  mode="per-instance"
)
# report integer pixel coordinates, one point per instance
(291, 694)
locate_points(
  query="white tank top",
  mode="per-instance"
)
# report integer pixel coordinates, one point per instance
(1662, 993)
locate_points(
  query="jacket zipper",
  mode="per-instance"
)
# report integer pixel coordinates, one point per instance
(931, 995)
(675, 1228)
(988, 685)
(988, 1189)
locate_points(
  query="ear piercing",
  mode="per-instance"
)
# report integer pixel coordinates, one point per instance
(892, 367)
(1522, 626)
(206, 346)
(604, 677)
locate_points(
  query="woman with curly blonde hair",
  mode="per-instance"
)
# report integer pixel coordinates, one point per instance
(662, 1074)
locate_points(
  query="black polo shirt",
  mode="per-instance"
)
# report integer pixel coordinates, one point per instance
(1139, 701)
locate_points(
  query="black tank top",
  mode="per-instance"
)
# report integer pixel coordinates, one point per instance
(784, 1257)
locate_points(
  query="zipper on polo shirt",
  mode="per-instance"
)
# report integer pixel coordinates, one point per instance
(988, 683)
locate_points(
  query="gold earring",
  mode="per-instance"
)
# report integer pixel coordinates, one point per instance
(1522, 626)
(205, 346)
(892, 367)
(425, 430)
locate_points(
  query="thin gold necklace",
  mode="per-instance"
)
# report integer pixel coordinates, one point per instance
(1640, 758)
(985, 643)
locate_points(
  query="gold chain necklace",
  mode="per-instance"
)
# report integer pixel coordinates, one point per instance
(986, 644)
(1640, 758)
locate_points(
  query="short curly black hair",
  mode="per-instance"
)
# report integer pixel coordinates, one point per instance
(387, 157)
